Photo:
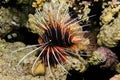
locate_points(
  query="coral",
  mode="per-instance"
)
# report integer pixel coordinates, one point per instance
(63, 42)
(10, 19)
(113, 2)
(8, 63)
(58, 73)
(110, 13)
(118, 68)
(97, 57)
(105, 57)
(76, 64)
(38, 69)
(33, 26)
(81, 9)
(109, 33)
(7, 20)
(38, 4)
(115, 77)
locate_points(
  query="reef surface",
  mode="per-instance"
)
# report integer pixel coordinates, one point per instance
(59, 39)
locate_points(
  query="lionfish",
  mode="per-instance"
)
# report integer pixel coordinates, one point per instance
(59, 32)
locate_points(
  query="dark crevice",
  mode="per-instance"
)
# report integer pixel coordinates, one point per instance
(24, 8)
(116, 50)
(92, 73)
(75, 75)
(116, 15)
(23, 35)
(96, 9)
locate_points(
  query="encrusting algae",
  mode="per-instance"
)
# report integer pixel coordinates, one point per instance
(109, 34)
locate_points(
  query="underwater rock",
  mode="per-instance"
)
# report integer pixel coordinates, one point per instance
(24, 1)
(57, 73)
(97, 58)
(33, 26)
(7, 21)
(115, 77)
(60, 74)
(55, 56)
(8, 62)
(38, 4)
(78, 64)
(118, 68)
(15, 2)
(10, 19)
(109, 34)
(38, 69)
(110, 13)
(105, 57)
(82, 10)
